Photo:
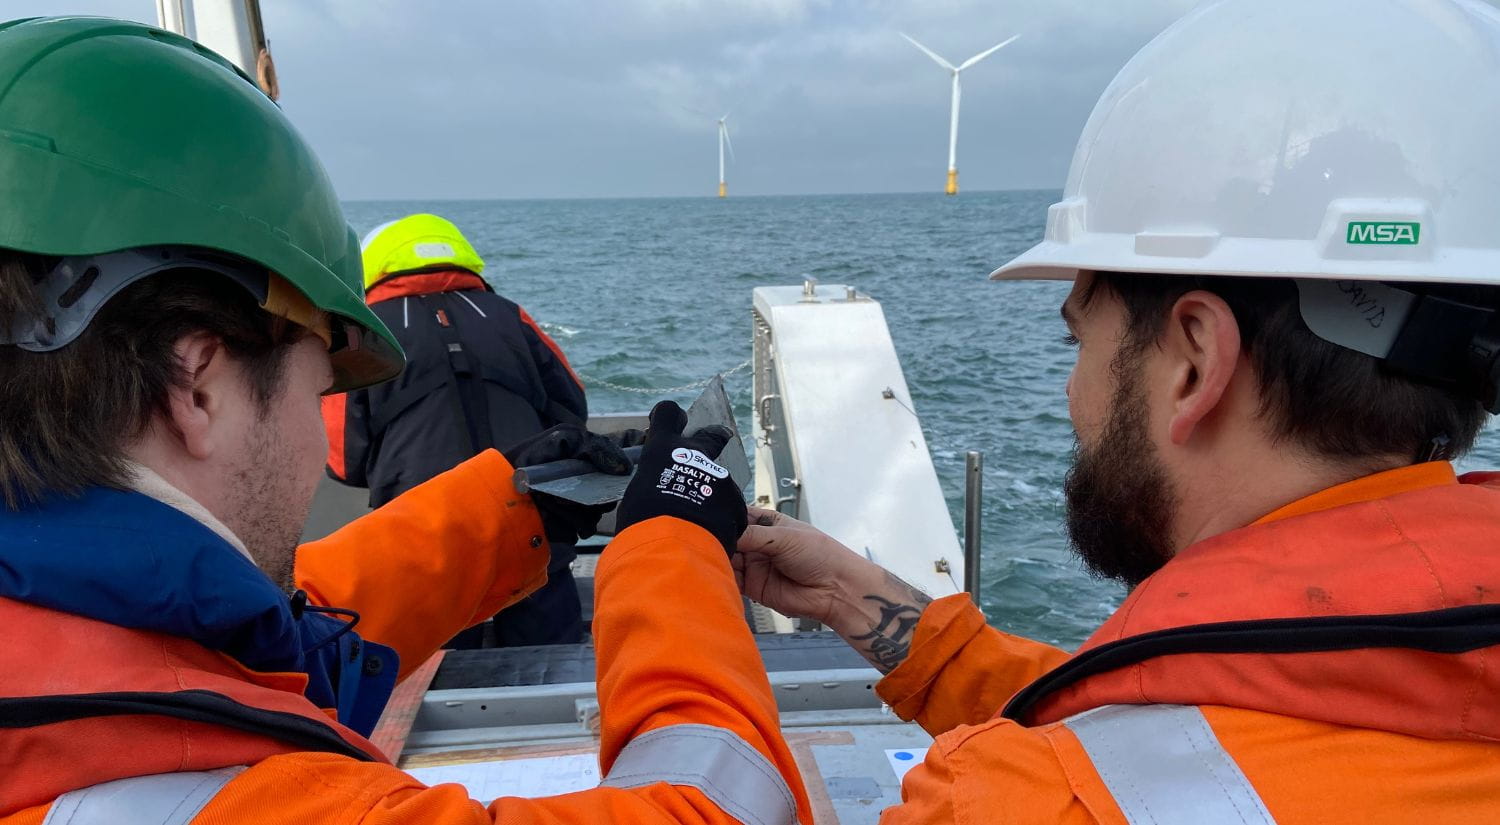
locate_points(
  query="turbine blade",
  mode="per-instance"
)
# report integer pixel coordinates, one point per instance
(729, 144)
(986, 53)
(929, 52)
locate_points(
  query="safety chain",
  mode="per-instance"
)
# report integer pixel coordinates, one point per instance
(696, 385)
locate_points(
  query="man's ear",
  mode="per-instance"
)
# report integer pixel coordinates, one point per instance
(1202, 339)
(194, 404)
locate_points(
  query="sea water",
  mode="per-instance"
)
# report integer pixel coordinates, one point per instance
(655, 293)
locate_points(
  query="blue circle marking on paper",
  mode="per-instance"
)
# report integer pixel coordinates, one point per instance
(904, 756)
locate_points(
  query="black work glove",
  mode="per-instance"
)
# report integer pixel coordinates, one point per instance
(565, 522)
(677, 476)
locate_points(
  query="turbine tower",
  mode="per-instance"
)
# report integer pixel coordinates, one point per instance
(952, 188)
(723, 142)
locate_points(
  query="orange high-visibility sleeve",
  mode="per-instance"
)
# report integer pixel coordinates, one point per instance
(303, 788)
(673, 646)
(443, 556)
(960, 670)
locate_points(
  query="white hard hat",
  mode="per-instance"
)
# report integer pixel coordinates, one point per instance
(1336, 140)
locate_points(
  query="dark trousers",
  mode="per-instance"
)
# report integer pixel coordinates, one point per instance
(553, 615)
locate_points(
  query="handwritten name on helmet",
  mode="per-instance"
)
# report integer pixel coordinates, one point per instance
(1365, 300)
(698, 461)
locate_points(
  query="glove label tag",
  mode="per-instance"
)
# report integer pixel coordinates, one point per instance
(698, 461)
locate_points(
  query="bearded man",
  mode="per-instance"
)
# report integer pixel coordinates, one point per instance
(1285, 290)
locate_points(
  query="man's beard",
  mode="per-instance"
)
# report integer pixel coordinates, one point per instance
(270, 512)
(1119, 500)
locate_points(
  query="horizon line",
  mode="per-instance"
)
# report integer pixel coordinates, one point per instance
(709, 196)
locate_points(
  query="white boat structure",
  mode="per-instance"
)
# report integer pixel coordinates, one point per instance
(837, 443)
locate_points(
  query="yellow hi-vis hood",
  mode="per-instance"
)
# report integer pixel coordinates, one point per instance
(416, 242)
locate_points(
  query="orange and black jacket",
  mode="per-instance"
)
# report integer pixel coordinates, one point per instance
(480, 373)
(137, 642)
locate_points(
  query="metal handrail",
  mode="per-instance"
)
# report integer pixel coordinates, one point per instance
(973, 520)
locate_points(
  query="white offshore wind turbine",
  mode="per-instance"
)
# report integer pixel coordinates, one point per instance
(952, 187)
(724, 142)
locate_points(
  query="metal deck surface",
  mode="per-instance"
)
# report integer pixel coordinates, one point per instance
(853, 779)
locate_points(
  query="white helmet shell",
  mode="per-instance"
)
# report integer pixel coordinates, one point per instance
(1327, 139)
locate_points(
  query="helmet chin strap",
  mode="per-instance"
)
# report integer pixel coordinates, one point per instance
(1433, 339)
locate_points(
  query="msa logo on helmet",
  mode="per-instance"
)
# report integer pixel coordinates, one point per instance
(699, 461)
(1403, 233)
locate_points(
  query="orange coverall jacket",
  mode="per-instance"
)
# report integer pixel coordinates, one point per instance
(655, 670)
(1360, 736)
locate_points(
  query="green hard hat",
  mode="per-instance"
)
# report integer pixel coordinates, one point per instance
(118, 136)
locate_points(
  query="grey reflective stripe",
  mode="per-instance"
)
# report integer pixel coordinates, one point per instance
(1165, 766)
(735, 776)
(159, 799)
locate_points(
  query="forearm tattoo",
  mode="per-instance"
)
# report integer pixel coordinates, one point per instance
(889, 639)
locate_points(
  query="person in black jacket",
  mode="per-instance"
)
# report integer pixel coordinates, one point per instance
(480, 373)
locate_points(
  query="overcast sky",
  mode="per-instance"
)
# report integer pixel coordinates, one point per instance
(607, 98)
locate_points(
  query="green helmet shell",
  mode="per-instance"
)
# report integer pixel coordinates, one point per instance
(115, 135)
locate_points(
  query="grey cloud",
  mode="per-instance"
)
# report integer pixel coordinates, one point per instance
(569, 98)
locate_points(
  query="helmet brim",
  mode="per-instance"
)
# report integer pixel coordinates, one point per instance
(1239, 257)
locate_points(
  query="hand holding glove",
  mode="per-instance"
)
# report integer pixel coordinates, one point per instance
(566, 522)
(678, 476)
